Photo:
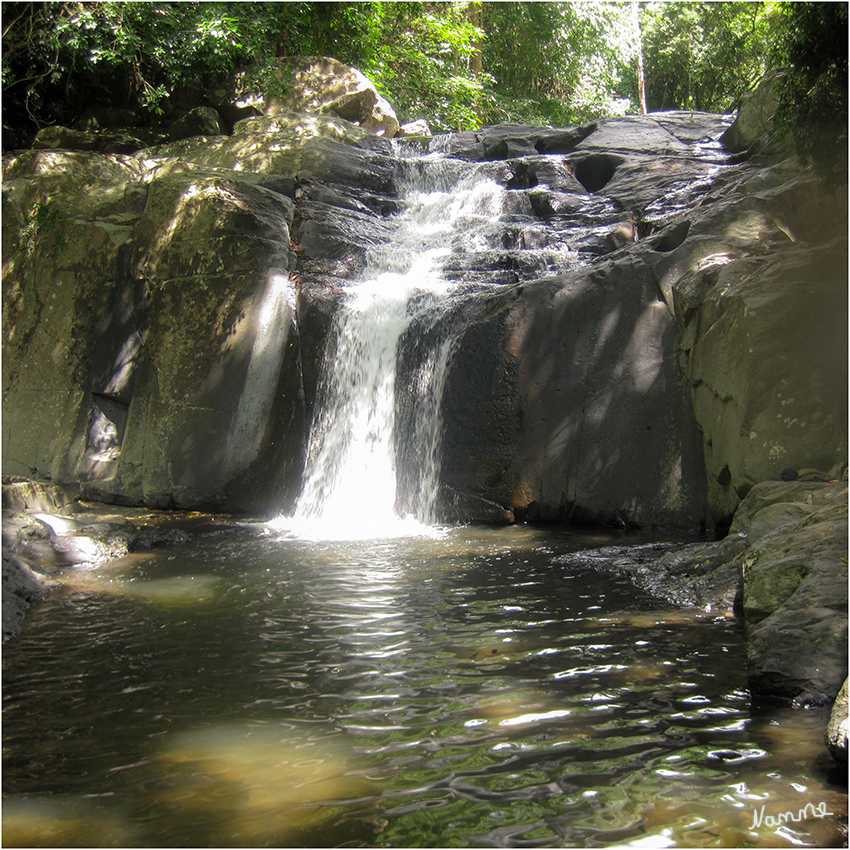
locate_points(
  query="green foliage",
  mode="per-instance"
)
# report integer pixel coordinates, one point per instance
(60, 57)
(457, 64)
(556, 62)
(812, 109)
(704, 56)
(422, 61)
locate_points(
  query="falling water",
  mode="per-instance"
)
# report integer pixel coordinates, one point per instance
(350, 483)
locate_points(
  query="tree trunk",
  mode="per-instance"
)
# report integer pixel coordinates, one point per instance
(476, 18)
(640, 72)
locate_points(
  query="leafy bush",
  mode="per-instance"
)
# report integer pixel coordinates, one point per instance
(812, 108)
(457, 64)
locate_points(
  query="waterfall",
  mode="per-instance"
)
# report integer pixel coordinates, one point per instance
(350, 487)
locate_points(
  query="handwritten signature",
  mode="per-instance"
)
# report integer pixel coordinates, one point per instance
(810, 810)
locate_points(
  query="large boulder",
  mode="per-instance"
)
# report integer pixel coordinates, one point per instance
(761, 296)
(200, 121)
(795, 589)
(152, 351)
(103, 141)
(753, 128)
(838, 727)
(316, 85)
(579, 404)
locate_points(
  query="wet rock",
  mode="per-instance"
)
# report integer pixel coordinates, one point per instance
(22, 587)
(703, 575)
(51, 538)
(795, 590)
(23, 494)
(837, 729)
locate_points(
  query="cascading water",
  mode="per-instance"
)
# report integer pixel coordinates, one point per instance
(484, 686)
(350, 487)
(468, 231)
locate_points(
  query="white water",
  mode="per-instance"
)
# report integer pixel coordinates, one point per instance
(349, 489)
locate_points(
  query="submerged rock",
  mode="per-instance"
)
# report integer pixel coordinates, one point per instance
(53, 540)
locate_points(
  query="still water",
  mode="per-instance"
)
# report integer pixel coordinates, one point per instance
(454, 689)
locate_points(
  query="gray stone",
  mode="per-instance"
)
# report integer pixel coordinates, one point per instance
(799, 494)
(318, 85)
(583, 406)
(415, 128)
(837, 729)
(777, 516)
(763, 405)
(795, 600)
(200, 121)
(22, 586)
(753, 125)
(109, 141)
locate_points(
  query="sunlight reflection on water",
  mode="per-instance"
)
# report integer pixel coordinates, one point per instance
(460, 689)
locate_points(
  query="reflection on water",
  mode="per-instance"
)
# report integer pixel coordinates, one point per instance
(249, 689)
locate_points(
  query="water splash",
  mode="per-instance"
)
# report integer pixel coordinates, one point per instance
(350, 488)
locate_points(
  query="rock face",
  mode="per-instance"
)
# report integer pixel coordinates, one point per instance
(752, 127)
(795, 589)
(670, 330)
(318, 84)
(783, 567)
(837, 730)
(585, 390)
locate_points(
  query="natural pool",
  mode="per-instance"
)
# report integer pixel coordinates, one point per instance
(455, 689)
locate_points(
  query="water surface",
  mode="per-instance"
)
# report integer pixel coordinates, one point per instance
(454, 689)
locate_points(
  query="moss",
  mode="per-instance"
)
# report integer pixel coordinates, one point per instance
(46, 218)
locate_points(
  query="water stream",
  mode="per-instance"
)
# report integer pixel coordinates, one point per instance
(350, 490)
(353, 675)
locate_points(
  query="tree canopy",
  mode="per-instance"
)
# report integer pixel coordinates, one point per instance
(457, 64)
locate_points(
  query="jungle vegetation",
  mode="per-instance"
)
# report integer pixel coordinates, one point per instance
(459, 65)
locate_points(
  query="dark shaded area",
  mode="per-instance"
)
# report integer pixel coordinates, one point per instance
(672, 237)
(812, 109)
(594, 172)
